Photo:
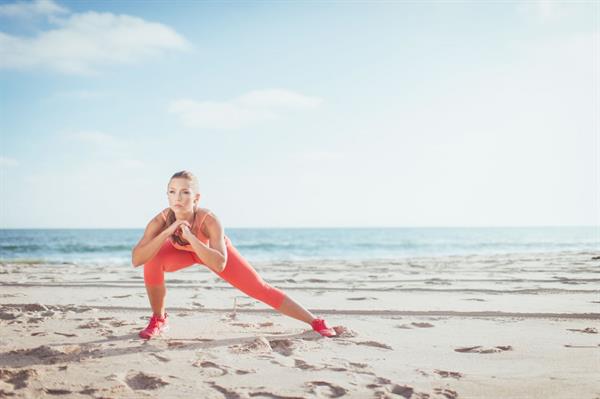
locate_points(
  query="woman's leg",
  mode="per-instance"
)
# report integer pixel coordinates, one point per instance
(239, 273)
(167, 259)
(156, 295)
(291, 308)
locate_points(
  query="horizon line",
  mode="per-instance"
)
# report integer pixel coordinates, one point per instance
(314, 227)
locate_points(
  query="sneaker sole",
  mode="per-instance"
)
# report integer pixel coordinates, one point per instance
(164, 329)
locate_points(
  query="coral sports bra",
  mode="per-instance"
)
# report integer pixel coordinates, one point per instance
(202, 213)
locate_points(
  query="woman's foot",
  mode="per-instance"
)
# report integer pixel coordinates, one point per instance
(156, 326)
(321, 327)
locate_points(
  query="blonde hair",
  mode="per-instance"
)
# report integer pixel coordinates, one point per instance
(195, 188)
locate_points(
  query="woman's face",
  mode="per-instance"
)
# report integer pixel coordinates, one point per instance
(181, 195)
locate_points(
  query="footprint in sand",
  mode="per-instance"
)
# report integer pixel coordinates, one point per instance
(411, 325)
(140, 380)
(343, 332)
(301, 364)
(57, 391)
(242, 372)
(358, 365)
(176, 344)
(18, 378)
(65, 334)
(43, 352)
(374, 344)
(227, 393)
(446, 393)
(448, 374)
(92, 324)
(326, 389)
(88, 391)
(587, 330)
(480, 349)
(422, 325)
(284, 347)
(122, 296)
(161, 358)
(210, 369)
(361, 298)
(403, 390)
(245, 325)
(7, 316)
(259, 345)
(379, 382)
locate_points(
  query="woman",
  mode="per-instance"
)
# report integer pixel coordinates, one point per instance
(183, 235)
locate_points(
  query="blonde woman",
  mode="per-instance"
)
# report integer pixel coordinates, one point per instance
(185, 234)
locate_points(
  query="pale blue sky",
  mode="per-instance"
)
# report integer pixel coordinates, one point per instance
(301, 113)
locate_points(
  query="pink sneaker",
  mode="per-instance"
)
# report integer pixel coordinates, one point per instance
(155, 327)
(319, 326)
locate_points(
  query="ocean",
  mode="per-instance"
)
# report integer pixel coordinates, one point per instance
(113, 246)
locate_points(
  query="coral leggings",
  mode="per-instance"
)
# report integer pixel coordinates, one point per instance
(238, 272)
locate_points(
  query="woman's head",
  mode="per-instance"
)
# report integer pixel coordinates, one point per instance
(183, 192)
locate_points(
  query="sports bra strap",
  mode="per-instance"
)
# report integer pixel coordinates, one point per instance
(203, 218)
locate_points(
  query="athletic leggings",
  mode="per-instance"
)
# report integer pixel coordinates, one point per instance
(238, 272)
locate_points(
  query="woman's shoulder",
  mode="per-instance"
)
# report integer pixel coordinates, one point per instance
(162, 215)
(203, 214)
(206, 218)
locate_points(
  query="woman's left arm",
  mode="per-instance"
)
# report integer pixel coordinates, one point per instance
(214, 255)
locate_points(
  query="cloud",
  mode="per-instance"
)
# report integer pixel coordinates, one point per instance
(83, 42)
(8, 162)
(277, 98)
(29, 9)
(247, 109)
(117, 151)
(547, 11)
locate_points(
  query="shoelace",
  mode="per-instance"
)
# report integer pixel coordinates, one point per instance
(154, 323)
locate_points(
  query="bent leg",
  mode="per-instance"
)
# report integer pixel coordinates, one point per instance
(167, 259)
(156, 295)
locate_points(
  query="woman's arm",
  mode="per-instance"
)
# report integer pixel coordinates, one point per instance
(213, 255)
(154, 237)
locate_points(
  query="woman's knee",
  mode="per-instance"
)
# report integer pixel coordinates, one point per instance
(154, 275)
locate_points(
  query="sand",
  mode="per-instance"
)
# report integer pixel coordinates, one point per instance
(497, 326)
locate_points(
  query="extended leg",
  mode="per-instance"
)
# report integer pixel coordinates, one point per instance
(239, 273)
(291, 308)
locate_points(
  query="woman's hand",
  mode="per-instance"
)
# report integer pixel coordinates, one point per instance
(186, 233)
(177, 227)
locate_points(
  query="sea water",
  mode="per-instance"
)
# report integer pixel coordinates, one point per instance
(113, 246)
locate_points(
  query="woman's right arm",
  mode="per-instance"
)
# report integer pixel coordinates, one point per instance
(154, 237)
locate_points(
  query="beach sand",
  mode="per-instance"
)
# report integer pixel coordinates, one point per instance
(497, 326)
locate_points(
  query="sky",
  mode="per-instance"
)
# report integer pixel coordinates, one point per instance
(301, 113)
